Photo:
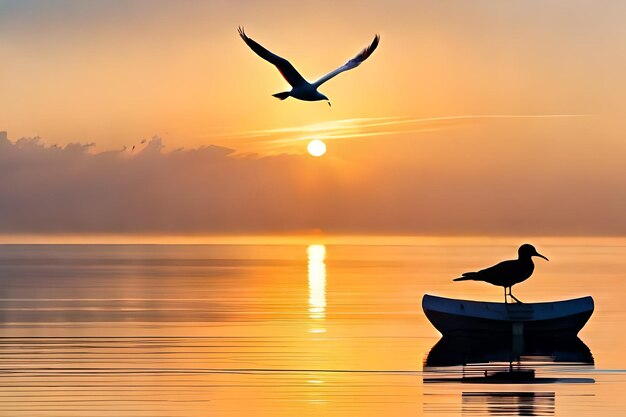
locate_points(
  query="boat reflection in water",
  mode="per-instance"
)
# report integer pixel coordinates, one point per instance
(509, 403)
(511, 363)
(516, 360)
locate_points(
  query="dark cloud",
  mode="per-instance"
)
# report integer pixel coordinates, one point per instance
(72, 189)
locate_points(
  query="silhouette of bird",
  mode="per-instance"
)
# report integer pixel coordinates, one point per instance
(301, 88)
(507, 273)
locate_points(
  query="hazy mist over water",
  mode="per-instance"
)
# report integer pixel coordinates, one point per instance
(282, 330)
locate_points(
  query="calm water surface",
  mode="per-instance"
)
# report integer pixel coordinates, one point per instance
(306, 330)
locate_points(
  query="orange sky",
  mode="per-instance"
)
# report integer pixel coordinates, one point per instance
(115, 73)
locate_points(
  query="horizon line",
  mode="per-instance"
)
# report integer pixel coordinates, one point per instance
(302, 238)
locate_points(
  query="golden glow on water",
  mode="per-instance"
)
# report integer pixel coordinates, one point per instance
(317, 285)
(232, 330)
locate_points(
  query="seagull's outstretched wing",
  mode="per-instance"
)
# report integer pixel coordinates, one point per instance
(353, 63)
(288, 71)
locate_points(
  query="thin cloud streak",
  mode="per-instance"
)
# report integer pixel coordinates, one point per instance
(323, 126)
(352, 135)
(354, 128)
(396, 120)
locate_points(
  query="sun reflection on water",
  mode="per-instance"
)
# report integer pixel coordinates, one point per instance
(317, 284)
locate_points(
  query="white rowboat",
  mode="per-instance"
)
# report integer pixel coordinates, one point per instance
(454, 317)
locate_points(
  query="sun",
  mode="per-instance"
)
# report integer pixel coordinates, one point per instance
(316, 147)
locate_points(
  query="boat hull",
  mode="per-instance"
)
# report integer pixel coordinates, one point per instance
(462, 317)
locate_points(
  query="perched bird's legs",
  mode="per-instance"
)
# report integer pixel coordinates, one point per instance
(505, 299)
(513, 297)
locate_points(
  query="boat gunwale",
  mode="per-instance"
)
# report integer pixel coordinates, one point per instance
(509, 312)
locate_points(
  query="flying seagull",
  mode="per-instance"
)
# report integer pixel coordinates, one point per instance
(507, 273)
(301, 88)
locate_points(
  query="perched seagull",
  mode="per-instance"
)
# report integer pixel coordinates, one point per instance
(301, 88)
(507, 273)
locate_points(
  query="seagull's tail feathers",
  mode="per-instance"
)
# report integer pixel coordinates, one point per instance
(281, 96)
(468, 276)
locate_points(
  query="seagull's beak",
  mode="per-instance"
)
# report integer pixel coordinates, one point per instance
(541, 256)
